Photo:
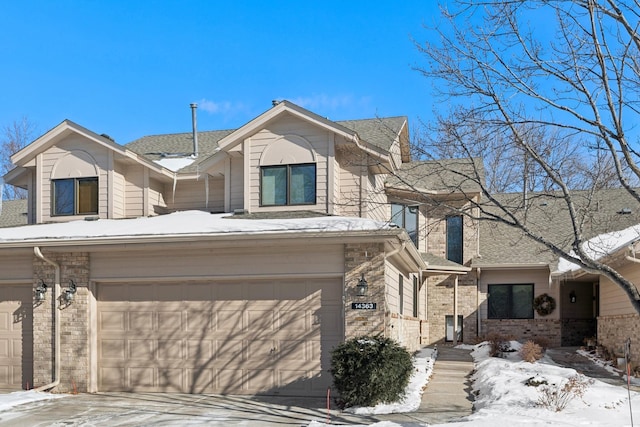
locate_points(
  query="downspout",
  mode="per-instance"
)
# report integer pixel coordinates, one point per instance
(56, 323)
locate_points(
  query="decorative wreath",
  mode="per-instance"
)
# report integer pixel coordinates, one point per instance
(544, 304)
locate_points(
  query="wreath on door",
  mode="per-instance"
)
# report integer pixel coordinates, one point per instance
(544, 304)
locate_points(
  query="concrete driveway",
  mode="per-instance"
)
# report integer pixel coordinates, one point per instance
(140, 409)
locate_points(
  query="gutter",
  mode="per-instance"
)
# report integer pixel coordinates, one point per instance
(56, 323)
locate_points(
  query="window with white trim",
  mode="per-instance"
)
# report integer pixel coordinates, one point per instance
(74, 196)
(282, 185)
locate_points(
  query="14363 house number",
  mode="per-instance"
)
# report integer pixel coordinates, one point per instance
(363, 305)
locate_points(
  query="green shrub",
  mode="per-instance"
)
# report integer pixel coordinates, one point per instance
(368, 370)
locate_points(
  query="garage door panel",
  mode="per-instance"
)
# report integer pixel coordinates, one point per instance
(113, 349)
(140, 349)
(228, 349)
(170, 322)
(140, 320)
(170, 350)
(229, 320)
(113, 321)
(199, 350)
(186, 337)
(16, 336)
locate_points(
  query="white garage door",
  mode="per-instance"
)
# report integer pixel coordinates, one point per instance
(272, 337)
(16, 337)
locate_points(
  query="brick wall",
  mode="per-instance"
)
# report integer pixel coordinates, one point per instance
(440, 294)
(613, 331)
(74, 323)
(367, 259)
(526, 329)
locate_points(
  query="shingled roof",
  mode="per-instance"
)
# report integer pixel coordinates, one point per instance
(439, 176)
(381, 132)
(608, 210)
(14, 213)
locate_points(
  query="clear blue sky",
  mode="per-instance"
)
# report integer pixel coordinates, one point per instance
(131, 68)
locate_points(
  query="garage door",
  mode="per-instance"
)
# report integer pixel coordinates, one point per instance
(272, 337)
(16, 337)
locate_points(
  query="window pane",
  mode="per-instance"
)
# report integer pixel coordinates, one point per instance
(498, 302)
(396, 214)
(274, 185)
(303, 184)
(522, 301)
(63, 197)
(88, 196)
(454, 239)
(411, 223)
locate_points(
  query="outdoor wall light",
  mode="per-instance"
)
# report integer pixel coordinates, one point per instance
(40, 291)
(573, 297)
(362, 286)
(70, 292)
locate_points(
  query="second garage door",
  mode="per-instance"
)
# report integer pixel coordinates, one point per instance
(269, 336)
(16, 337)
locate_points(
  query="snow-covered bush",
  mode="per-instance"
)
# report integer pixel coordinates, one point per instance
(556, 398)
(368, 370)
(530, 352)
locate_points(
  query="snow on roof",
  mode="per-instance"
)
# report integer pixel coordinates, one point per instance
(175, 163)
(184, 223)
(603, 245)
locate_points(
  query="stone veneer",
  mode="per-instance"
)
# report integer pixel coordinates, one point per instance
(526, 329)
(74, 321)
(613, 332)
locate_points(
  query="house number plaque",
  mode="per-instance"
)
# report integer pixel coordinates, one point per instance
(363, 305)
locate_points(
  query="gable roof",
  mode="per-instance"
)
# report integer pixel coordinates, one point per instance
(377, 134)
(24, 157)
(608, 210)
(13, 213)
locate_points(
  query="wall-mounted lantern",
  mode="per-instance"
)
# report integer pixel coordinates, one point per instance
(70, 292)
(362, 286)
(40, 291)
(573, 297)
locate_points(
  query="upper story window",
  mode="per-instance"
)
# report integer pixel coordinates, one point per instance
(406, 217)
(288, 185)
(454, 239)
(510, 301)
(75, 196)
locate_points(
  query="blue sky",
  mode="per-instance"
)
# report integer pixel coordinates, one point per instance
(131, 68)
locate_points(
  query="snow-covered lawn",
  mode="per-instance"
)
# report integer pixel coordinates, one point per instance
(9, 400)
(503, 397)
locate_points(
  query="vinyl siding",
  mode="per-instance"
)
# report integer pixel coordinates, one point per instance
(119, 193)
(292, 260)
(16, 265)
(348, 202)
(133, 195)
(57, 152)
(192, 195)
(318, 140)
(613, 300)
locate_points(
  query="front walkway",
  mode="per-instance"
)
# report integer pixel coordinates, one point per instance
(448, 395)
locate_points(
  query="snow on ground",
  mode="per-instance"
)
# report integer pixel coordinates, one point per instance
(504, 399)
(9, 400)
(423, 368)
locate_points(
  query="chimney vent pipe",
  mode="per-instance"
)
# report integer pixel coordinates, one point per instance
(194, 124)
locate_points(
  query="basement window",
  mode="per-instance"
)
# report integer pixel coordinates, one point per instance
(74, 196)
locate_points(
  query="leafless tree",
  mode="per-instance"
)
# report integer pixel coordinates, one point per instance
(13, 137)
(548, 93)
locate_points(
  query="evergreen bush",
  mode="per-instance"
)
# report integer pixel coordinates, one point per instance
(368, 370)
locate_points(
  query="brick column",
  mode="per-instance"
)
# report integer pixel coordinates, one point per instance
(367, 258)
(74, 323)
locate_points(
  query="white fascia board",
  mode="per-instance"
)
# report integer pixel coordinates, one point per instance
(512, 266)
(211, 238)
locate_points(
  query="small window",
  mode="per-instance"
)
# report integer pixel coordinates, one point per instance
(75, 196)
(407, 218)
(510, 301)
(288, 185)
(454, 239)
